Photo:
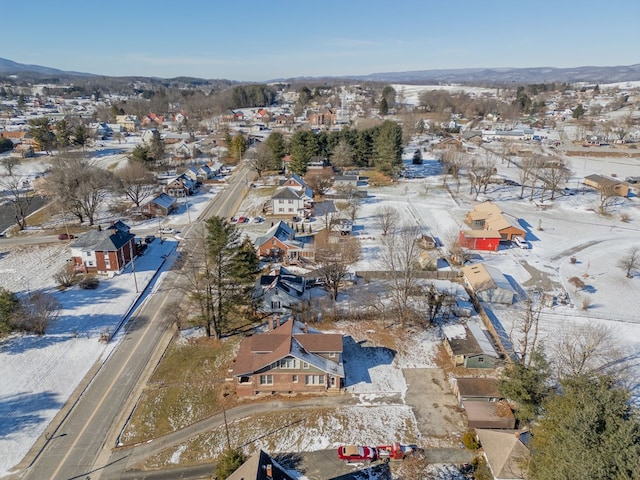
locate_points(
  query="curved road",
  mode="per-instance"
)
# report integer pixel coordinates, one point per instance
(85, 430)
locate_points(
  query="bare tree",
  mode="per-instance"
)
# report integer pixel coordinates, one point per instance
(554, 174)
(399, 258)
(590, 348)
(320, 183)
(66, 276)
(630, 261)
(136, 182)
(525, 171)
(351, 203)
(19, 196)
(79, 186)
(525, 327)
(386, 219)
(261, 159)
(608, 197)
(36, 312)
(480, 173)
(334, 259)
(342, 155)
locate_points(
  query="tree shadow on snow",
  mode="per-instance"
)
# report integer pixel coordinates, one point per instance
(18, 412)
(380, 471)
(359, 359)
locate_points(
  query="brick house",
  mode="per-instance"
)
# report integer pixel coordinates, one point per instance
(160, 206)
(104, 251)
(289, 358)
(280, 242)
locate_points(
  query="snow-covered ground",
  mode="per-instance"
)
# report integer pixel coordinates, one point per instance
(31, 394)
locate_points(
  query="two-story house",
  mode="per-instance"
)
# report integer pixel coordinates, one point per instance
(289, 358)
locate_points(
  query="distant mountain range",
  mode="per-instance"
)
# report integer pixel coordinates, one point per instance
(500, 76)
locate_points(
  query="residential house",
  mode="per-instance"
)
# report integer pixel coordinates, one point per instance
(506, 452)
(104, 251)
(608, 185)
(129, 122)
(260, 466)
(326, 117)
(280, 242)
(279, 291)
(294, 181)
(160, 206)
(488, 283)
(289, 358)
(488, 216)
(469, 346)
(180, 187)
(288, 201)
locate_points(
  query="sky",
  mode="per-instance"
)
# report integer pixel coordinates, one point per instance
(249, 40)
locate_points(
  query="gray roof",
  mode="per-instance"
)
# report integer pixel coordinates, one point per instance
(103, 241)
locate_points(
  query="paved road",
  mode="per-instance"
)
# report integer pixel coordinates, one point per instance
(90, 423)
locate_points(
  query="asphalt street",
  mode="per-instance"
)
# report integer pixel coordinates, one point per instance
(86, 428)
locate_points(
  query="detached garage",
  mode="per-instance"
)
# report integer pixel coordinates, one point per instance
(486, 240)
(488, 283)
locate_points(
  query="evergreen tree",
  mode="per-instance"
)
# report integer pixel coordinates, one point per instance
(578, 112)
(526, 385)
(590, 430)
(278, 147)
(81, 136)
(9, 305)
(384, 106)
(303, 146)
(230, 460)
(63, 132)
(387, 148)
(230, 271)
(41, 132)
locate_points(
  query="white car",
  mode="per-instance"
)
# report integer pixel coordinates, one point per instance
(167, 230)
(521, 242)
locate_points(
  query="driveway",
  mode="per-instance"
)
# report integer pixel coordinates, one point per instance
(434, 405)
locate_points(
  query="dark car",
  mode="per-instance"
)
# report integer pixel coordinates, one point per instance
(64, 236)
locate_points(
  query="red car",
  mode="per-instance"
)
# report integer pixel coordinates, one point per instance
(64, 236)
(357, 454)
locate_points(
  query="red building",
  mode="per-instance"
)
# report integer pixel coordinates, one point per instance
(486, 240)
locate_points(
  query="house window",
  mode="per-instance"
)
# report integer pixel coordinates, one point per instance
(332, 355)
(107, 263)
(294, 378)
(275, 305)
(266, 379)
(305, 365)
(481, 360)
(314, 379)
(281, 209)
(243, 380)
(273, 242)
(333, 381)
(290, 201)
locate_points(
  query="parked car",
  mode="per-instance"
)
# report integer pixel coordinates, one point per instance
(64, 236)
(167, 230)
(149, 238)
(521, 243)
(356, 454)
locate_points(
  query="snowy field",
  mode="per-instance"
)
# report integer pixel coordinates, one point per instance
(30, 396)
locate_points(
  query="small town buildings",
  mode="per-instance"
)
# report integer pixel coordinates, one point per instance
(608, 185)
(488, 216)
(484, 240)
(488, 283)
(279, 291)
(506, 452)
(280, 243)
(287, 359)
(104, 251)
(469, 346)
(159, 206)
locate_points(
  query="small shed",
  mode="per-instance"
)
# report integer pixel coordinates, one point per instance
(602, 183)
(488, 283)
(469, 346)
(476, 390)
(482, 414)
(160, 206)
